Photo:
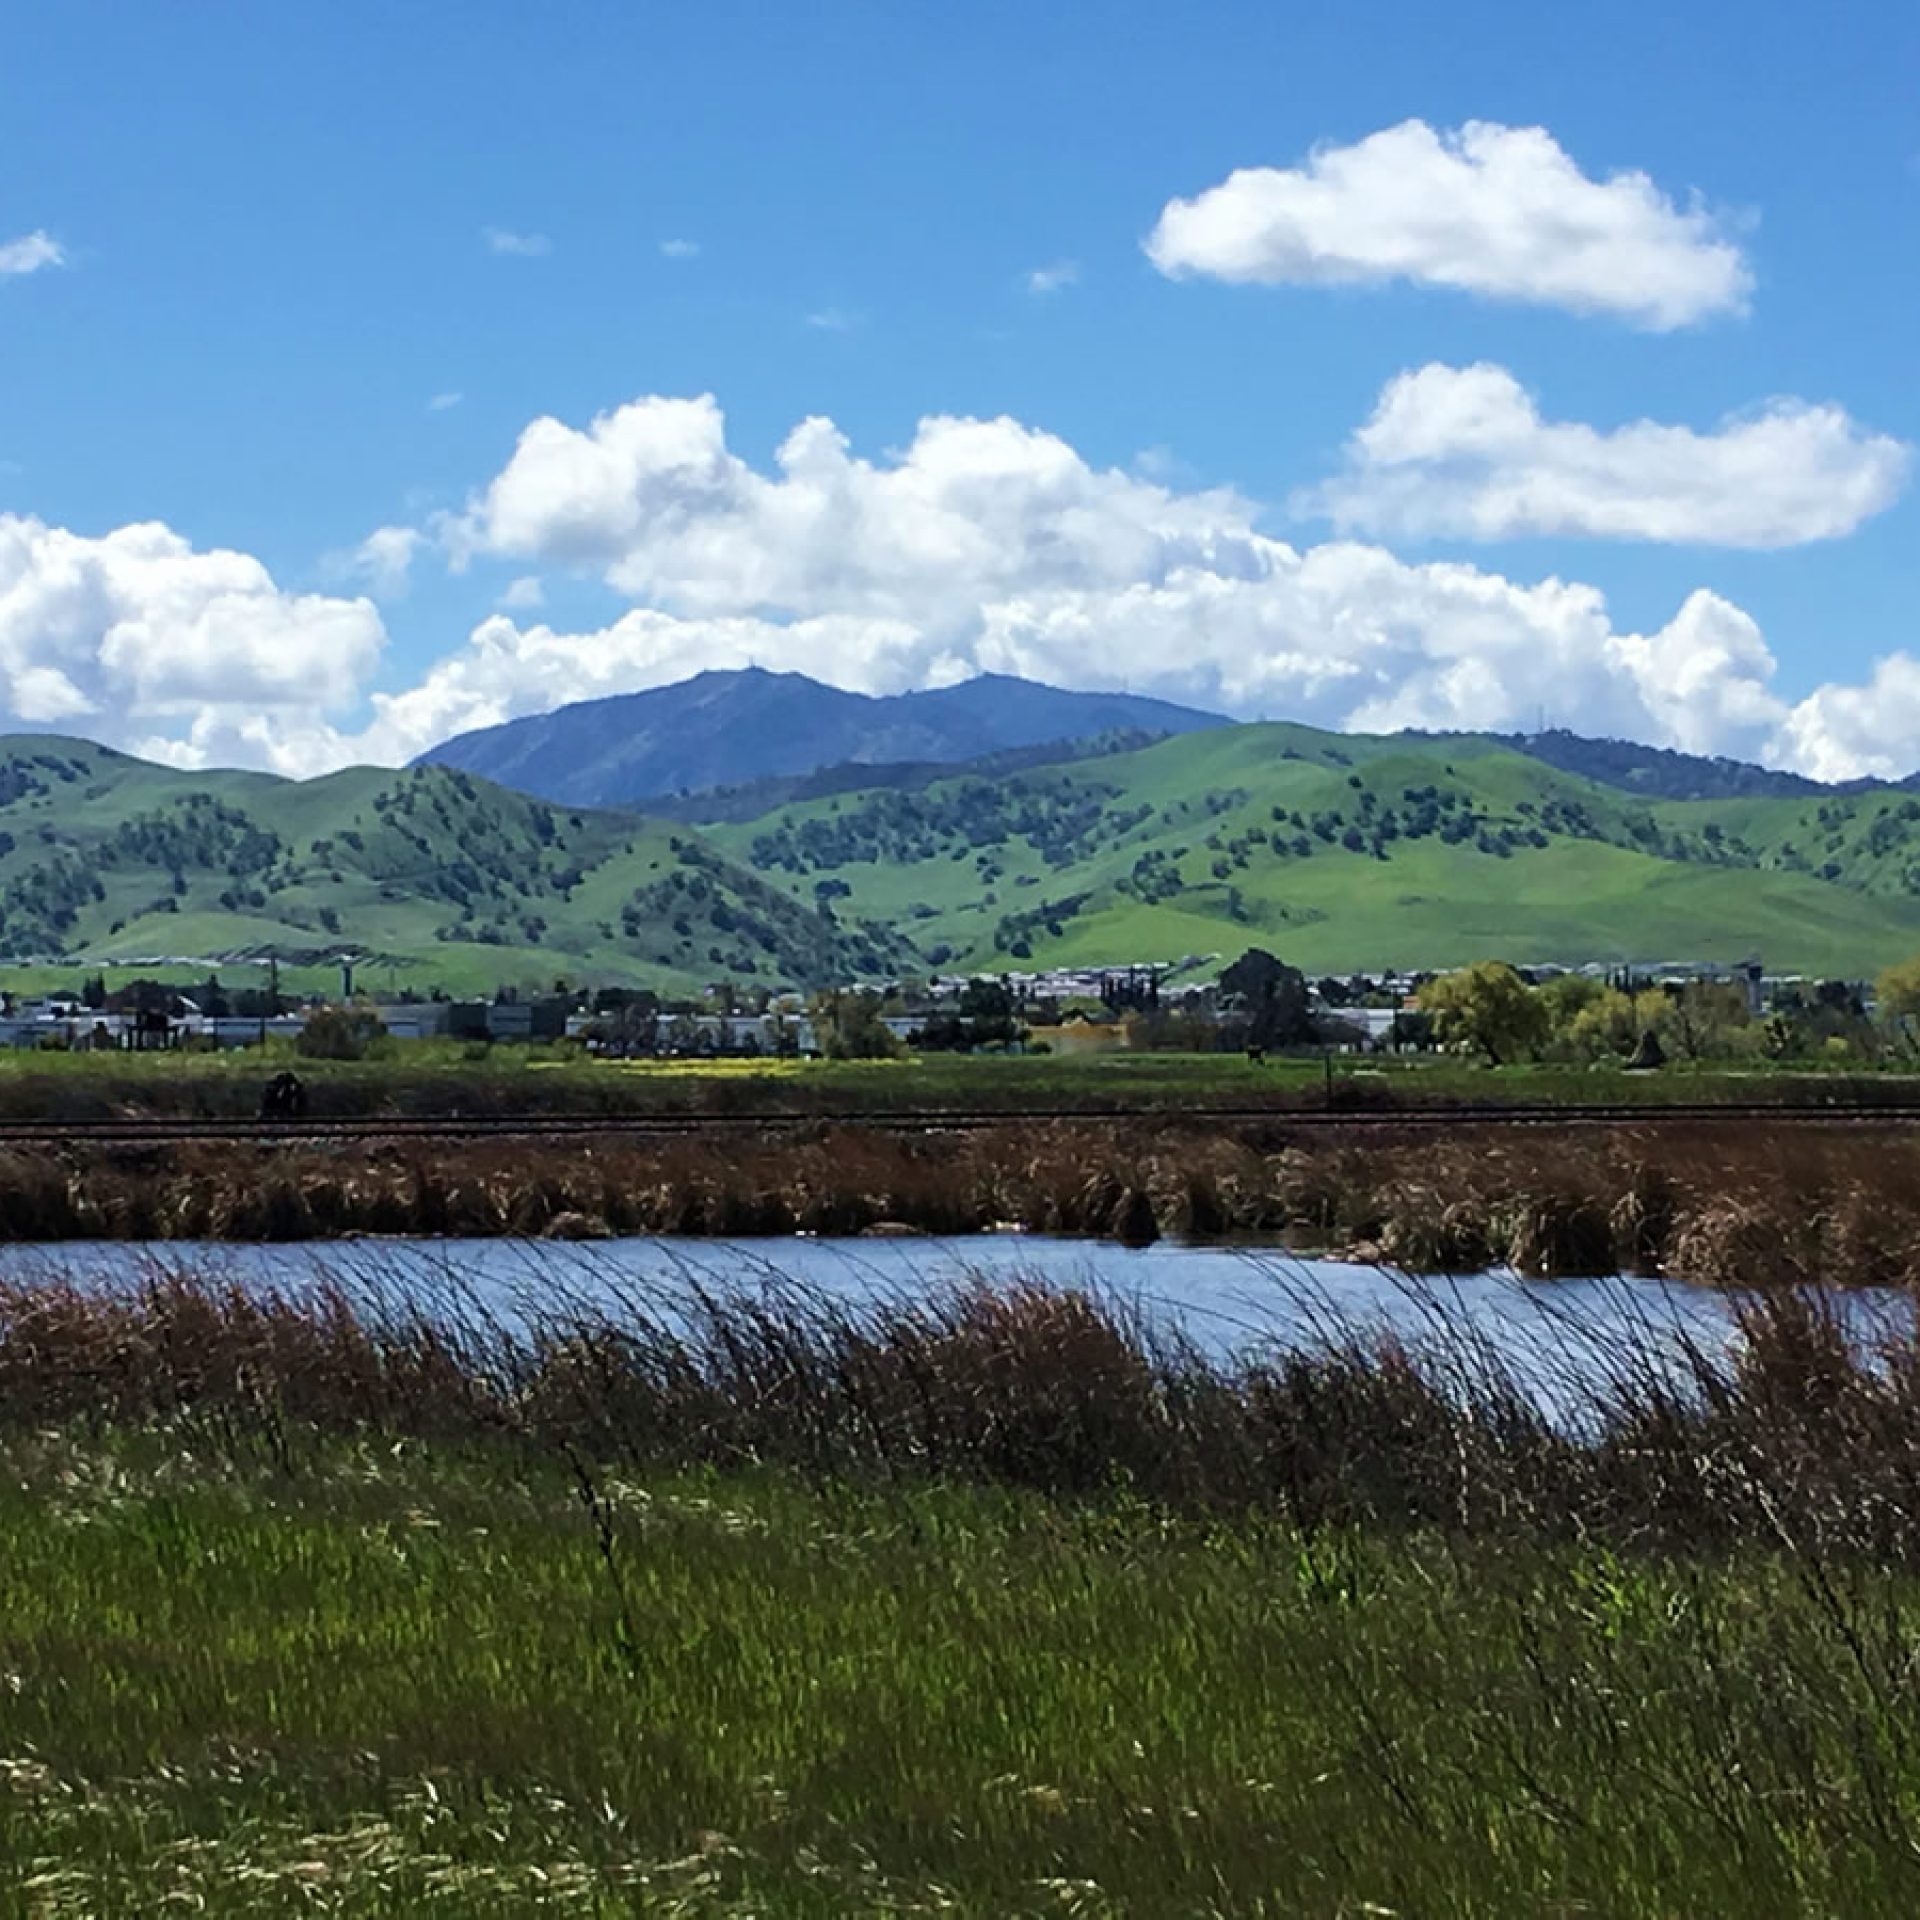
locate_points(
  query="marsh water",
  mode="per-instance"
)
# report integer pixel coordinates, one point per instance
(1560, 1339)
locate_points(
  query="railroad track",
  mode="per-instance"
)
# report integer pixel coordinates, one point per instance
(169, 1129)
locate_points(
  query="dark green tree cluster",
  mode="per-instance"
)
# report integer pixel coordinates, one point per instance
(1063, 820)
(985, 1017)
(1268, 1000)
(196, 833)
(1017, 932)
(32, 776)
(40, 905)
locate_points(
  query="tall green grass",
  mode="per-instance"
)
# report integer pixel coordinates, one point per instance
(986, 1605)
(403, 1683)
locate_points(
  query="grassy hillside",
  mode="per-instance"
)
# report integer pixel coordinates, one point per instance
(1340, 851)
(433, 875)
(1347, 851)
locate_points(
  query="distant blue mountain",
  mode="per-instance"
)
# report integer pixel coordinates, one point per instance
(726, 729)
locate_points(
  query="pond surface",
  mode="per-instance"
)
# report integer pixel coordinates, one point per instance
(1558, 1338)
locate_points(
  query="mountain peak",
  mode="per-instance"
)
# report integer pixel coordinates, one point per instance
(729, 726)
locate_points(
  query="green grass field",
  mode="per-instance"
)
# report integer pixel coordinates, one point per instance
(392, 1681)
(439, 1077)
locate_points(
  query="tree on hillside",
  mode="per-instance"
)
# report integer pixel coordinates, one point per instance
(1271, 995)
(1488, 1008)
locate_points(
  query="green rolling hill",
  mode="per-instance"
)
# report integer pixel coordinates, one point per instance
(1344, 851)
(1337, 851)
(433, 875)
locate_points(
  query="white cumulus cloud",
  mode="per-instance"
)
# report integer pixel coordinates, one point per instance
(982, 546)
(1339, 636)
(1852, 732)
(384, 559)
(30, 253)
(651, 495)
(144, 641)
(989, 545)
(1465, 451)
(680, 249)
(1499, 211)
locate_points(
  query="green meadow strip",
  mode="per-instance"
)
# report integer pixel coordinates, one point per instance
(431, 1681)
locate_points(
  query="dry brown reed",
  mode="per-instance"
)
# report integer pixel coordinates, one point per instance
(1725, 1204)
(1799, 1437)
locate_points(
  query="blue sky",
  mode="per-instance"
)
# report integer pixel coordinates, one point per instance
(272, 230)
